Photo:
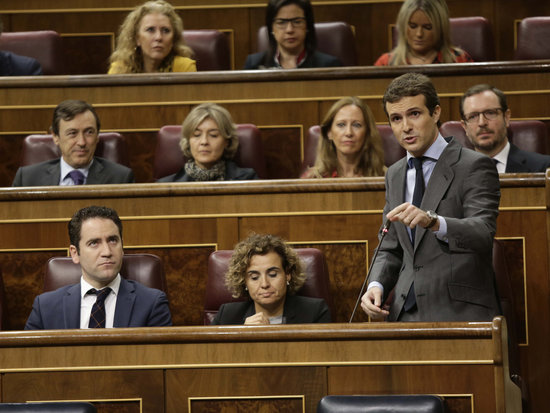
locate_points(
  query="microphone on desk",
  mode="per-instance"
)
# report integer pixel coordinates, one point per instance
(384, 230)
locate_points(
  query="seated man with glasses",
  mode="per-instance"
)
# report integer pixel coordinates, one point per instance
(485, 118)
(292, 39)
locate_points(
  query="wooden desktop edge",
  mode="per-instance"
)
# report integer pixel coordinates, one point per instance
(228, 187)
(310, 332)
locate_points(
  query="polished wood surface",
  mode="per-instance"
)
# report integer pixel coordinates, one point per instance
(196, 368)
(92, 25)
(283, 104)
(184, 223)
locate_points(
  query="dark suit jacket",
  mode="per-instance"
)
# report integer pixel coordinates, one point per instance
(317, 59)
(523, 161)
(454, 280)
(298, 310)
(15, 65)
(232, 173)
(47, 173)
(136, 306)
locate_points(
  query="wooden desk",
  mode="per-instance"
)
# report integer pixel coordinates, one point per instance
(184, 223)
(279, 368)
(283, 104)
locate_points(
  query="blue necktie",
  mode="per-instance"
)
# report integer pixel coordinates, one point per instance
(77, 176)
(418, 194)
(97, 316)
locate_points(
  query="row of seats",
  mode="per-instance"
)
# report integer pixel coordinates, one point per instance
(529, 135)
(212, 50)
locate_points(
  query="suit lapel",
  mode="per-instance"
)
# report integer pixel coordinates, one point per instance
(52, 175)
(442, 176)
(397, 183)
(94, 173)
(124, 304)
(515, 161)
(71, 307)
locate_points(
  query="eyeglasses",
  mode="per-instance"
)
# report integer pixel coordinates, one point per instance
(297, 23)
(489, 114)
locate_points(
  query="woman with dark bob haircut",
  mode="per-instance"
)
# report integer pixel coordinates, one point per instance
(292, 41)
(266, 271)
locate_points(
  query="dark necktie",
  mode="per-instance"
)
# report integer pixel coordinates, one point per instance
(77, 176)
(97, 316)
(418, 193)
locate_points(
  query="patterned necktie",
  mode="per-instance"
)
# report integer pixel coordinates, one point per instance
(418, 194)
(77, 176)
(97, 316)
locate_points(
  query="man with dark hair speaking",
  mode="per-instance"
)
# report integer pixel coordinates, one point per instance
(442, 200)
(102, 298)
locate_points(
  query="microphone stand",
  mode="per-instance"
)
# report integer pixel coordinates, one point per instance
(384, 230)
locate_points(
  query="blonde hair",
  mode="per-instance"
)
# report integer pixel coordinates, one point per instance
(223, 120)
(257, 244)
(129, 55)
(371, 161)
(438, 14)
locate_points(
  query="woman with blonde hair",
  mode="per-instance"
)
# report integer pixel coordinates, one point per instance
(150, 40)
(424, 36)
(209, 141)
(266, 271)
(350, 144)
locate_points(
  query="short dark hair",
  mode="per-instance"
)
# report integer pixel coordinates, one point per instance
(68, 109)
(411, 84)
(75, 224)
(1, 26)
(273, 7)
(484, 87)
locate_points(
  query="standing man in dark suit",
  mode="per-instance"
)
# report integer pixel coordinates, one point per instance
(485, 118)
(102, 298)
(75, 129)
(15, 65)
(443, 201)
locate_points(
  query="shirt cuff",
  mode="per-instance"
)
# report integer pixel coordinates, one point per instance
(441, 233)
(376, 284)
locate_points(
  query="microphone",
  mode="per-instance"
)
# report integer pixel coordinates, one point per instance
(384, 231)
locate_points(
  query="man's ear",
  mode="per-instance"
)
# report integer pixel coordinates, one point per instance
(55, 139)
(507, 116)
(74, 254)
(437, 113)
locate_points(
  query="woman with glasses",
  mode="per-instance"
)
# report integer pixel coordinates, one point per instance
(292, 41)
(424, 36)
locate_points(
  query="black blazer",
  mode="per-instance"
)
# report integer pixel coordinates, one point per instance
(317, 59)
(298, 310)
(523, 161)
(232, 173)
(15, 65)
(48, 173)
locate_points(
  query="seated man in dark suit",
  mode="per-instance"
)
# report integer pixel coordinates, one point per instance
(485, 118)
(75, 130)
(15, 65)
(102, 298)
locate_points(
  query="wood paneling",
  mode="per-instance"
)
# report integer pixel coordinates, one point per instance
(371, 21)
(183, 223)
(282, 104)
(175, 369)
